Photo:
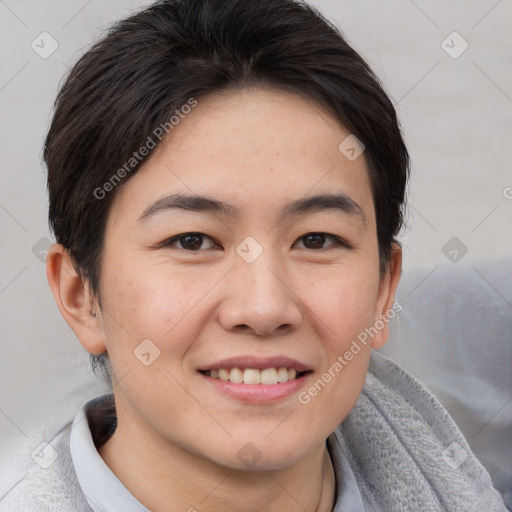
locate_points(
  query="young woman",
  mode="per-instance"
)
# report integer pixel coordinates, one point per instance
(226, 179)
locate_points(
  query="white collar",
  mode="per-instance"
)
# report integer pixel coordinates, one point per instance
(102, 489)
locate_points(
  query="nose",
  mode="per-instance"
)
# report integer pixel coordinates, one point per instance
(259, 300)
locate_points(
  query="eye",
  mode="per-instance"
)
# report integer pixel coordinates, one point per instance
(189, 241)
(315, 241)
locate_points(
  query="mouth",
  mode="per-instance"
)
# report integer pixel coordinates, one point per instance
(252, 376)
(256, 380)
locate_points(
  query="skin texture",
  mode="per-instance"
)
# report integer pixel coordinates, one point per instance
(178, 438)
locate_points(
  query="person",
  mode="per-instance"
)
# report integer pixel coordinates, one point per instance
(226, 181)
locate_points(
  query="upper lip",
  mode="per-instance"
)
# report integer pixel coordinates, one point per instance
(259, 363)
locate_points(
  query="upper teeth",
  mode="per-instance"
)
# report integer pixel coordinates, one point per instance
(267, 376)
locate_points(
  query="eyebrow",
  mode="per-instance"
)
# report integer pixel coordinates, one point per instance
(204, 204)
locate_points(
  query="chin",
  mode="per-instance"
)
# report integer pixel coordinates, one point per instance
(257, 454)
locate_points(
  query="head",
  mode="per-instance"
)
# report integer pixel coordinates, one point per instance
(226, 182)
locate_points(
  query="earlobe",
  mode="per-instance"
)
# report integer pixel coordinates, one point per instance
(386, 297)
(74, 300)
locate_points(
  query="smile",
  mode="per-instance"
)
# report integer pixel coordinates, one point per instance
(266, 377)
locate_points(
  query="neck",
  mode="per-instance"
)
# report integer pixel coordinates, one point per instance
(165, 477)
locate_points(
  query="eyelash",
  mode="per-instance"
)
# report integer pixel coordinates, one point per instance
(339, 242)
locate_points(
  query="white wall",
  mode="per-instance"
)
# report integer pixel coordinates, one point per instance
(457, 119)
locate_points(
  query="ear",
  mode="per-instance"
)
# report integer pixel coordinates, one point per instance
(73, 298)
(386, 296)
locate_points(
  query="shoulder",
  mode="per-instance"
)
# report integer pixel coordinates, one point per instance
(41, 477)
(398, 437)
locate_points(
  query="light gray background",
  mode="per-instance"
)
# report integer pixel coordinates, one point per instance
(456, 116)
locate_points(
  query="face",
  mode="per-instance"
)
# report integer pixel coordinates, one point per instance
(260, 281)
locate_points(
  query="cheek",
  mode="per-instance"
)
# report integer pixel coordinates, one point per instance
(345, 305)
(345, 301)
(167, 306)
(150, 324)
(152, 303)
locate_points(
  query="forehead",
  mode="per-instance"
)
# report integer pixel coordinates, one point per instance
(261, 121)
(251, 147)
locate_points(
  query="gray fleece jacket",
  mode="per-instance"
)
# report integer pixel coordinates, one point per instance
(405, 451)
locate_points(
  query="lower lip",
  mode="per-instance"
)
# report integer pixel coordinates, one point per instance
(258, 393)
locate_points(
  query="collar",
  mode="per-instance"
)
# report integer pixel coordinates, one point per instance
(102, 489)
(348, 498)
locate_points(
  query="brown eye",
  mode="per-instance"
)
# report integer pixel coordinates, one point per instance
(314, 241)
(189, 241)
(317, 240)
(192, 242)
